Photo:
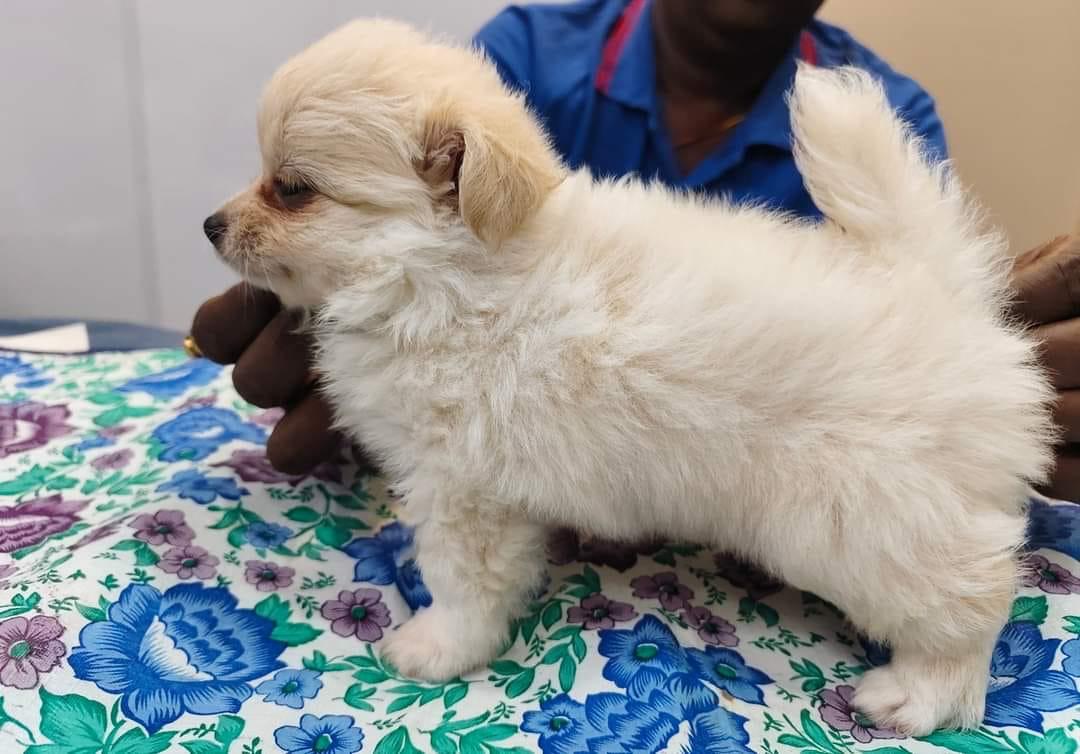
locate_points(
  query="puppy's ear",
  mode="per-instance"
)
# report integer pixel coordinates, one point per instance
(495, 166)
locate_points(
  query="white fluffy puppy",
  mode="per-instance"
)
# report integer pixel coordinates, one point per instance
(521, 346)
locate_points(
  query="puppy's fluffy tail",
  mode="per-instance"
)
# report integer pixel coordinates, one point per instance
(869, 174)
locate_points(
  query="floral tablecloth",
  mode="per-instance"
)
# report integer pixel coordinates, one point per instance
(162, 588)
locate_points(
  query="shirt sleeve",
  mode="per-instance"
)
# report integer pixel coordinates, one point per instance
(921, 113)
(506, 39)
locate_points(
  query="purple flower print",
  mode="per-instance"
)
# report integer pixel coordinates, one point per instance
(840, 715)
(188, 561)
(711, 628)
(29, 647)
(163, 527)
(254, 466)
(33, 521)
(267, 577)
(665, 586)
(96, 535)
(6, 569)
(360, 612)
(201, 401)
(25, 426)
(114, 432)
(742, 575)
(565, 546)
(597, 611)
(1049, 577)
(111, 461)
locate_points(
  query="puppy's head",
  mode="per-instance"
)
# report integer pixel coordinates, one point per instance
(373, 140)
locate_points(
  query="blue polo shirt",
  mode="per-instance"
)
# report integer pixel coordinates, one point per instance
(587, 70)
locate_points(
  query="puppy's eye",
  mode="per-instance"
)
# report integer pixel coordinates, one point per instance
(292, 193)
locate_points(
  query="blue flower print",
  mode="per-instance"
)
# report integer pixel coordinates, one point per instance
(189, 650)
(410, 584)
(726, 669)
(175, 381)
(195, 434)
(27, 375)
(641, 658)
(385, 559)
(1022, 686)
(290, 688)
(194, 485)
(1054, 527)
(329, 734)
(687, 696)
(876, 654)
(266, 535)
(561, 725)
(718, 730)
(94, 441)
(1071, 663)
(622, 725)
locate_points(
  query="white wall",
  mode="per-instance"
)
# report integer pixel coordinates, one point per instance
(124, 122)
(1006, 75)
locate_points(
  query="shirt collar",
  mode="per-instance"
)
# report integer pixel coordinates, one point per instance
(627, 71)
(627, 74)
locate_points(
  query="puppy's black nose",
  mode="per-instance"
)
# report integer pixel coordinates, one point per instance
(215, 226)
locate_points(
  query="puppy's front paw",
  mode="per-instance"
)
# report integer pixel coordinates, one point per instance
(432, 646)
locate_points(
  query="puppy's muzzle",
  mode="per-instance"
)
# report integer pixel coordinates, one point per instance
(215, 228)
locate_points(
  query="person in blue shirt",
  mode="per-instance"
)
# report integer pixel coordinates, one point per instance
(686, 92)
(689, 93)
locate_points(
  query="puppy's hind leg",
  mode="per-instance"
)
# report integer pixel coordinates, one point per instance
(940, 668)
(481, 561)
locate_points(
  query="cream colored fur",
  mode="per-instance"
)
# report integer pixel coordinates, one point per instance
(843, 403)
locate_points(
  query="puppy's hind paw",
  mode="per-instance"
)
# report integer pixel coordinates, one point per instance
(916, 705)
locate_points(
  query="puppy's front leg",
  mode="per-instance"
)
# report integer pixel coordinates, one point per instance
(481, 560)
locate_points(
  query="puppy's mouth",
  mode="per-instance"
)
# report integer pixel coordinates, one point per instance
(237, 248)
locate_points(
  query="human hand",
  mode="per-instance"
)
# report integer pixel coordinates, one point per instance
(247, 327)
(1047, 283)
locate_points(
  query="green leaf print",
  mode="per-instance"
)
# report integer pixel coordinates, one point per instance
(302, 514)
(332, 536)
(567, 673)
(72, 721)
(1029, 610)
(551, 614)
(396, 742)
(1056, 741)
(91, 613)
(117, 414)
(274, 608)
(30, 479)
(135, 741)
(238, 537)
(815, 733)
(520, 684)
(967, 742)
(202, 747)
(20, 604)
(229, 728)
(105, 399)
(402, 702)
(455, 695)
(355, 696)
(295, 634)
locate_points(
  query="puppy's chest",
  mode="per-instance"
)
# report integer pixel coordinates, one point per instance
(400, 396)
